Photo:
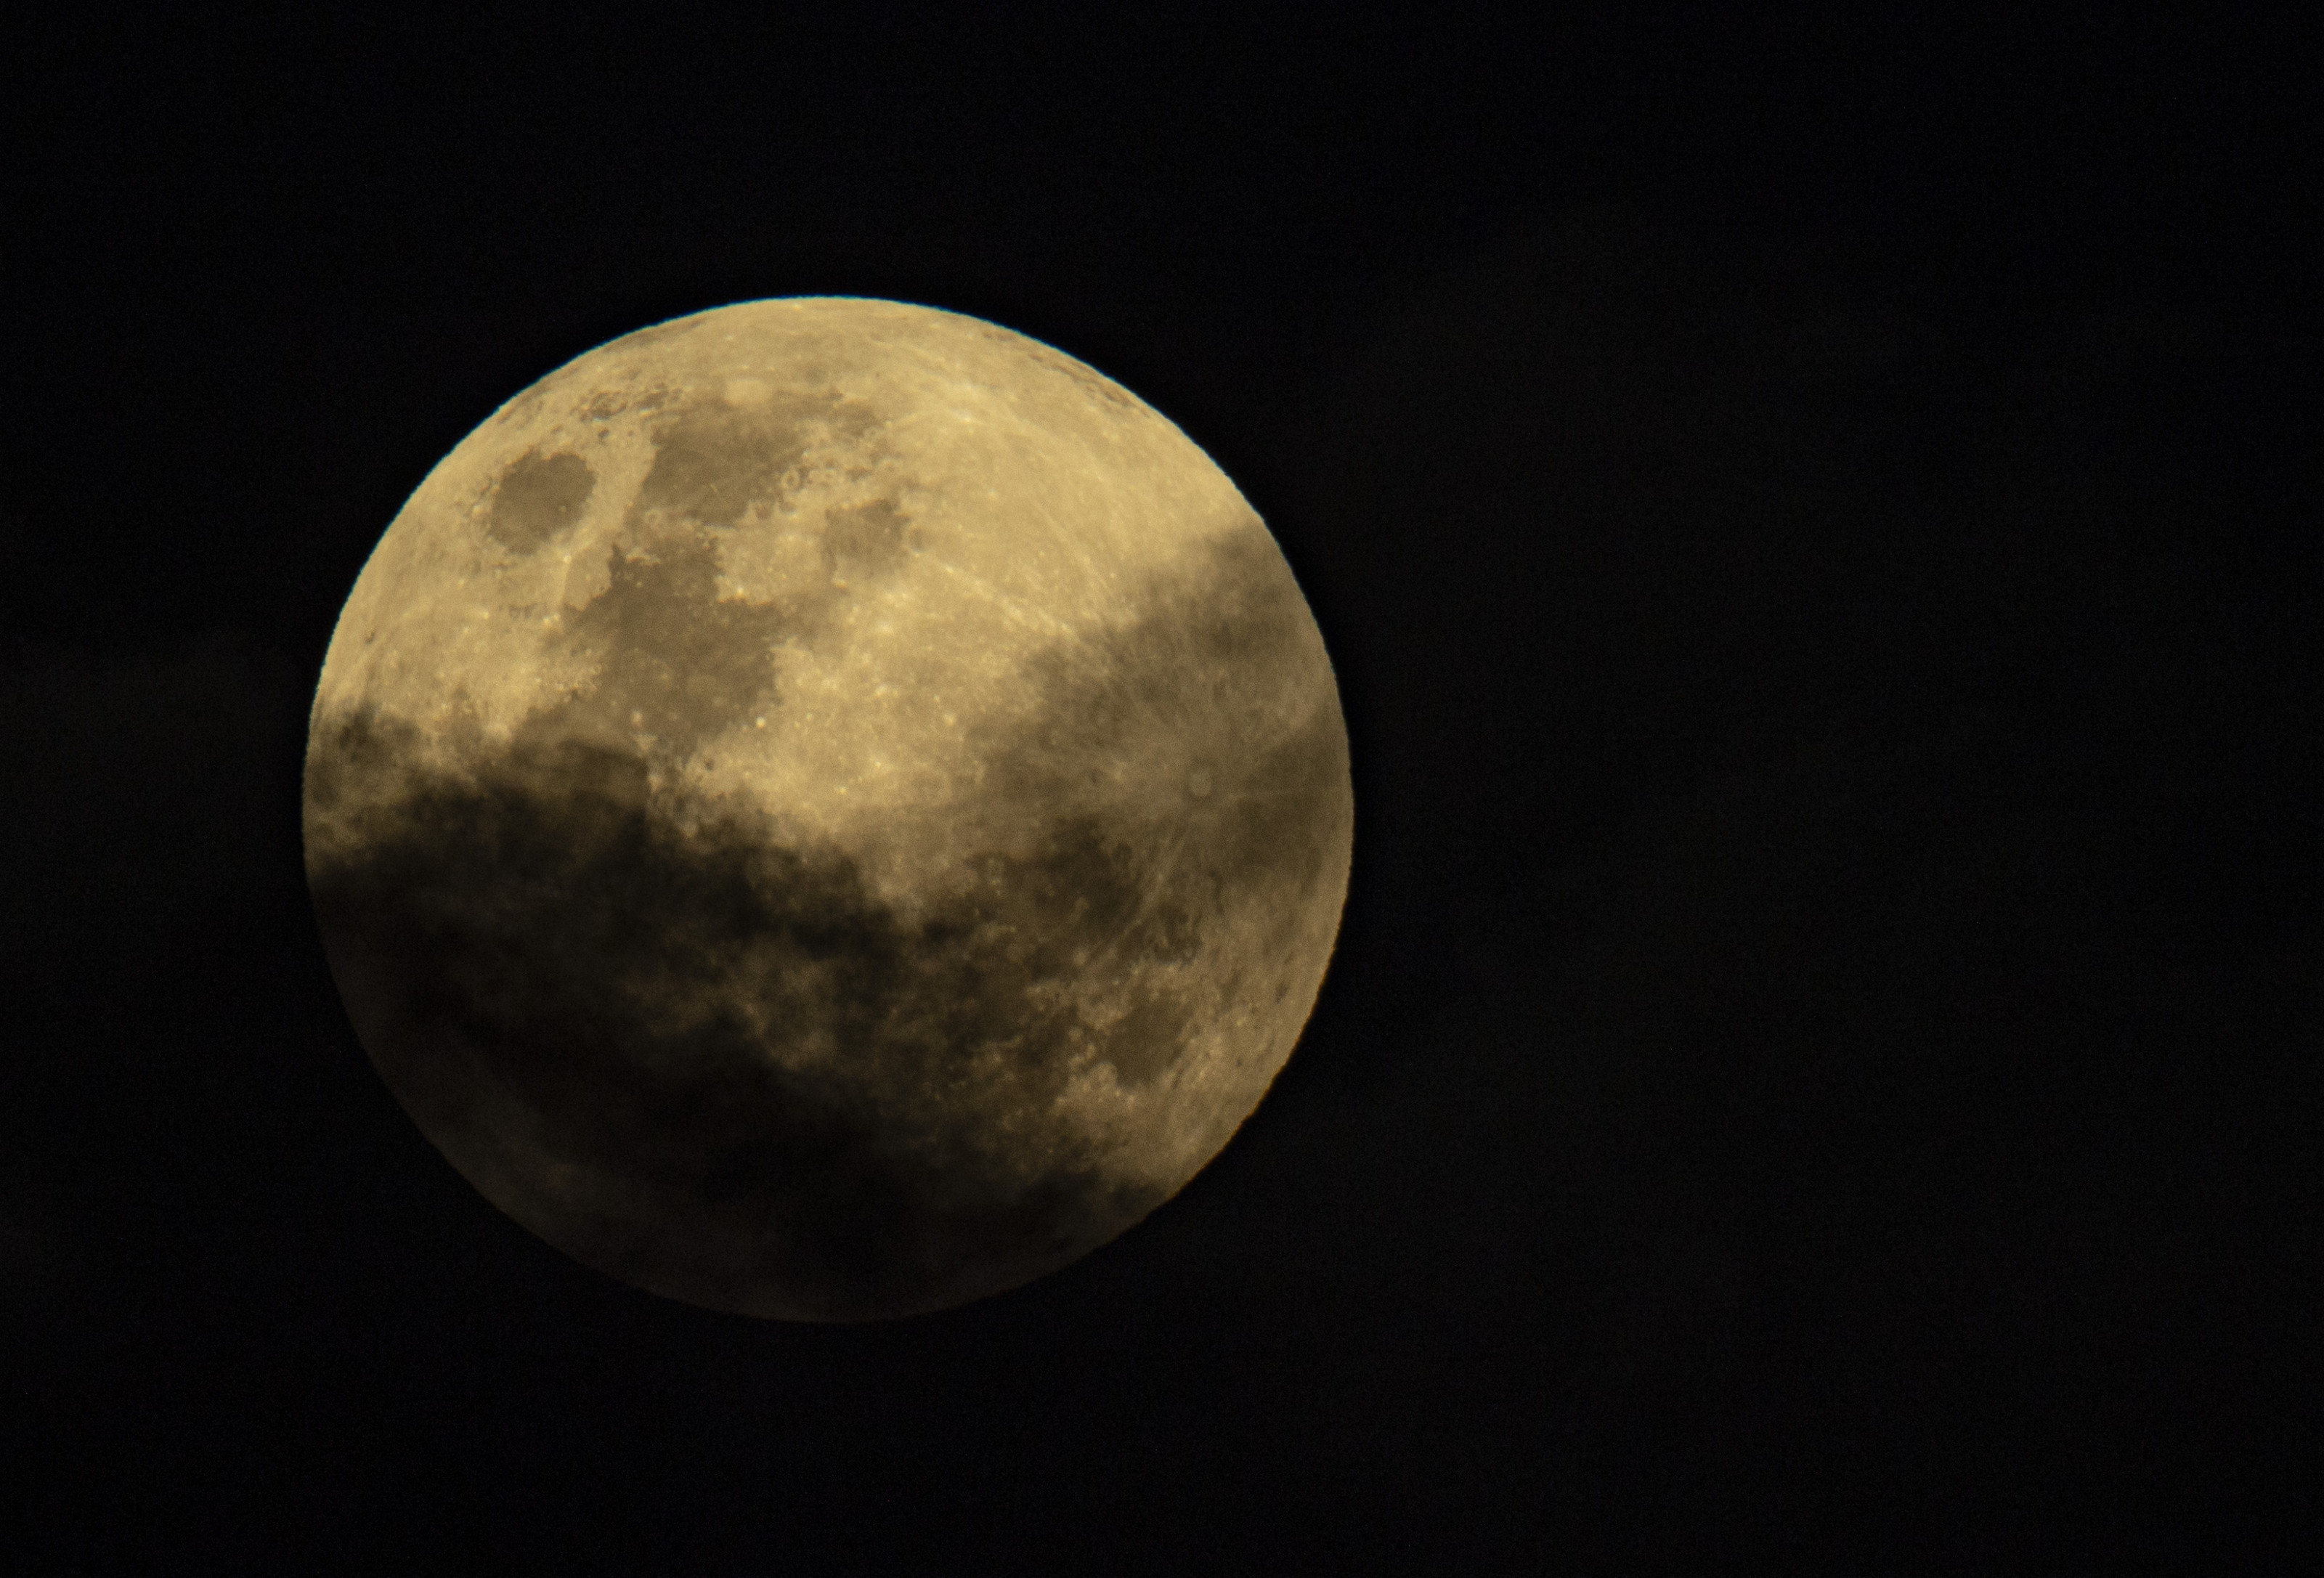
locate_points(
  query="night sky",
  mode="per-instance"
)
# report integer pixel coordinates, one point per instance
(1818, 529)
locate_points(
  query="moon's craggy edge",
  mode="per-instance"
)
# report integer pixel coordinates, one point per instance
(721, 1068)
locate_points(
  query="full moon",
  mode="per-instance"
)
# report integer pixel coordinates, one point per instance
(827, 808)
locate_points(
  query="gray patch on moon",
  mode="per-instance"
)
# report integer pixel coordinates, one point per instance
(539, 497)
(721, 1069)
(1142, 1044)
(675, 663)
(713, 461)
(865, 542)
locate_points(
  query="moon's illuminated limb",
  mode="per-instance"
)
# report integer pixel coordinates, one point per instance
(827, 808)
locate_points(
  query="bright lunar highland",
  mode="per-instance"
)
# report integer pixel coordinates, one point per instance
(827, 808)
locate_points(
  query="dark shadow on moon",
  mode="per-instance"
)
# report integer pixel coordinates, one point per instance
(545, 934)
(723, 1069)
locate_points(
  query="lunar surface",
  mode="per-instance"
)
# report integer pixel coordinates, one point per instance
(827, 809)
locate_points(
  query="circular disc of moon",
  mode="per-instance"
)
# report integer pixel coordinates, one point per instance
(827, 808)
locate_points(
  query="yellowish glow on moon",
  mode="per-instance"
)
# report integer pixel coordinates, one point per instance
(890, 729)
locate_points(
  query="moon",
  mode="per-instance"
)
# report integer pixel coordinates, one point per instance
(827, 809)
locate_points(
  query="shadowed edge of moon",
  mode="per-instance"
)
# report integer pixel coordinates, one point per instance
(721, 1069)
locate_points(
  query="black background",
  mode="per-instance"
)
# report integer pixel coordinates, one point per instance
(1817, 525)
